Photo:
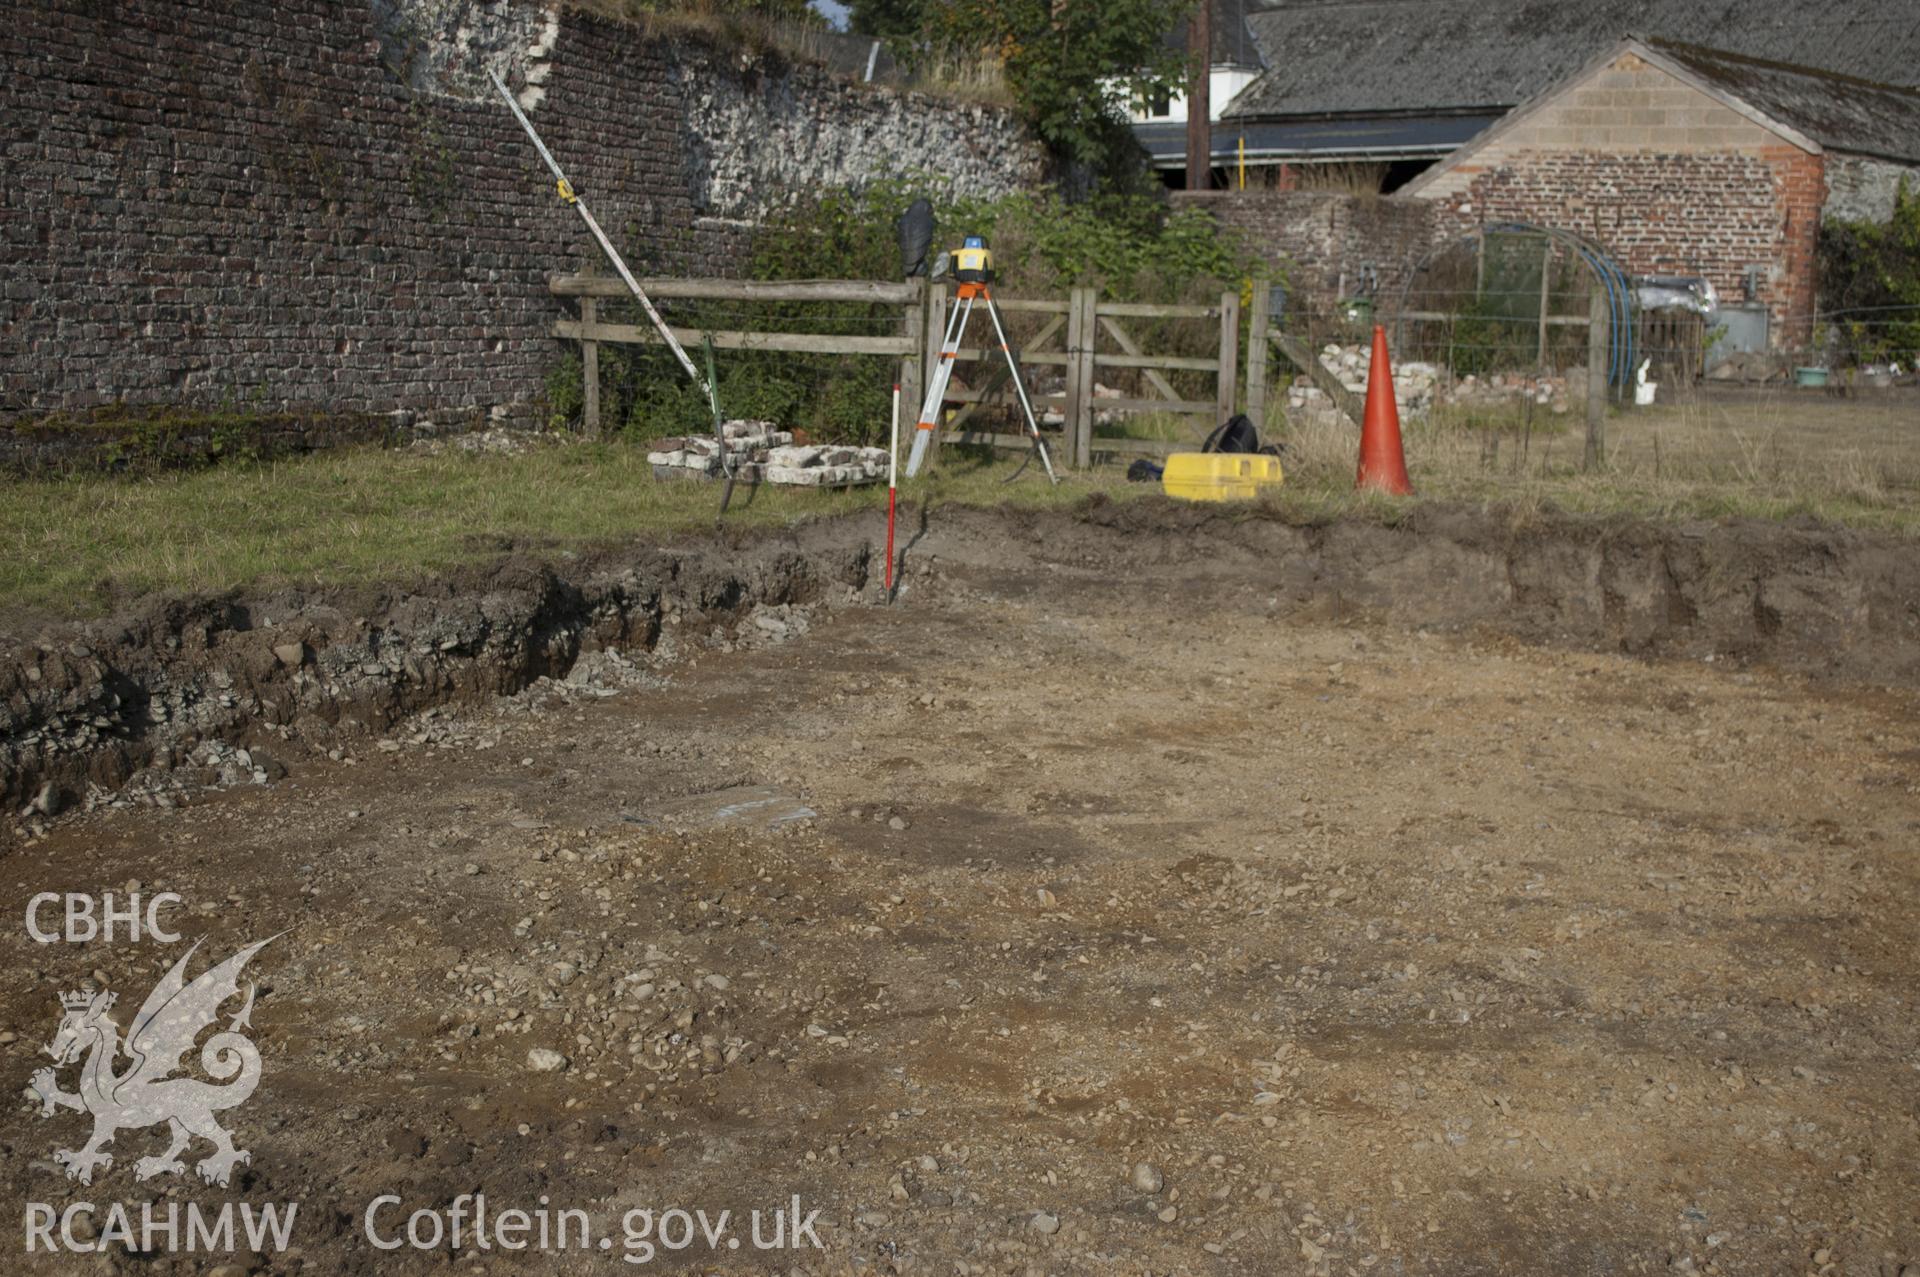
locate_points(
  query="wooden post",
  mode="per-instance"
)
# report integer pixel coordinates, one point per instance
(933, 329)
(1257, 356)
(1228, 397)
(590, 371)
(1076, 338)
(1089, 372)
(1597, 341)
(914, 330)
(1199, 98)
(1546, 279)
(1081, 303)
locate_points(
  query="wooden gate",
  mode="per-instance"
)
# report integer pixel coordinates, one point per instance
(1083, 335)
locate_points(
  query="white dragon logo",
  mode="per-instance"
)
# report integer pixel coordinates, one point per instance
(147, 1094)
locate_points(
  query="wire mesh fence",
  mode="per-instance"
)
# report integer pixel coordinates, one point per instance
(1516, 305)
(1513, 336)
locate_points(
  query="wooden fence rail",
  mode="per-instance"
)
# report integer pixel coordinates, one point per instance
(908, 298)
(1082, 322)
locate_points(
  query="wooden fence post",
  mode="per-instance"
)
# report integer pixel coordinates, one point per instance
(590, 371)
(1076, 340)
(932, 333)
(1229, 397)
(1082, 337)
(911, 376)
(1257, 356)
(1598, 340)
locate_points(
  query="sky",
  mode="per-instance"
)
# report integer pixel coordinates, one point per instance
(835, 13)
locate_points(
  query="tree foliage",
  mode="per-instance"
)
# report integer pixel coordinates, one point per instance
(1074, 66)
(895, 21)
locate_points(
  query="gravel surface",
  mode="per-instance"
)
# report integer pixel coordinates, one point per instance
(1144, 925)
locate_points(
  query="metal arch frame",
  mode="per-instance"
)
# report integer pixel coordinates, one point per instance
(1621, 304)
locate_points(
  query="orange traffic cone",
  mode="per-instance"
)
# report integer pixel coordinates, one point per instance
(1382, 463)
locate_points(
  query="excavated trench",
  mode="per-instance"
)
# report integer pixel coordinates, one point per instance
(84, 706)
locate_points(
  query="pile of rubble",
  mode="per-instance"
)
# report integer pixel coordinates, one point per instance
(748, 444)
(1418, 386)
(1549, 390)
(831, 466)
(757, 452)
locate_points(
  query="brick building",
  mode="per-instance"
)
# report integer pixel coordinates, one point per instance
(1683, 139)
(1381, 89)
(1692, 162)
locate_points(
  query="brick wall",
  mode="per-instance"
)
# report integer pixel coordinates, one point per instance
(1663, 177)
(217, 201)
(1330, 243)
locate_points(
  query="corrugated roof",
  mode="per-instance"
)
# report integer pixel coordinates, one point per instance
(1337, 57)
(1843, 112)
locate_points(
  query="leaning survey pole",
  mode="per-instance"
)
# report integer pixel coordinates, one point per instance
(708, 384)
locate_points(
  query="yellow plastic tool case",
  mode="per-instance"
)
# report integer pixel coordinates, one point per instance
(1219, 476)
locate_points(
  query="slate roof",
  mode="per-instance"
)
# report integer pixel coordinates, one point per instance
(1341, 57)
(1837, 111)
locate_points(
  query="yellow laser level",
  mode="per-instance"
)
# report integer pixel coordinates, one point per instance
(972, 267)
(972, 263)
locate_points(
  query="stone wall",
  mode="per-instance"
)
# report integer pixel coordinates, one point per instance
(315, 204)
(1331, 244)
(1862, 189)
(759, 140)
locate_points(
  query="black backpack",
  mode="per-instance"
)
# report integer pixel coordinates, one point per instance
(1238, 434)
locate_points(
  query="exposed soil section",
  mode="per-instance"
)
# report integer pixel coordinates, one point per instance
(288, 673)
(1384, 949)
(83, 708)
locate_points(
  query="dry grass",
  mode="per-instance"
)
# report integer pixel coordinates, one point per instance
(963, 75)
(956, 74)
(1768, 455)
(725, 24)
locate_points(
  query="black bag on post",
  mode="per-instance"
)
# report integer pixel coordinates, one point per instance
(1236, 435)
(916, 236)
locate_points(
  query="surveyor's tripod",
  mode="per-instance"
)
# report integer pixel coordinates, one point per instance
(964, 298)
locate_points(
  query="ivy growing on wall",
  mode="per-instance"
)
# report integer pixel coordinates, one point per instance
(1870, 283)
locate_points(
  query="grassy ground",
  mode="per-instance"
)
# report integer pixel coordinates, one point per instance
(80, 546)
